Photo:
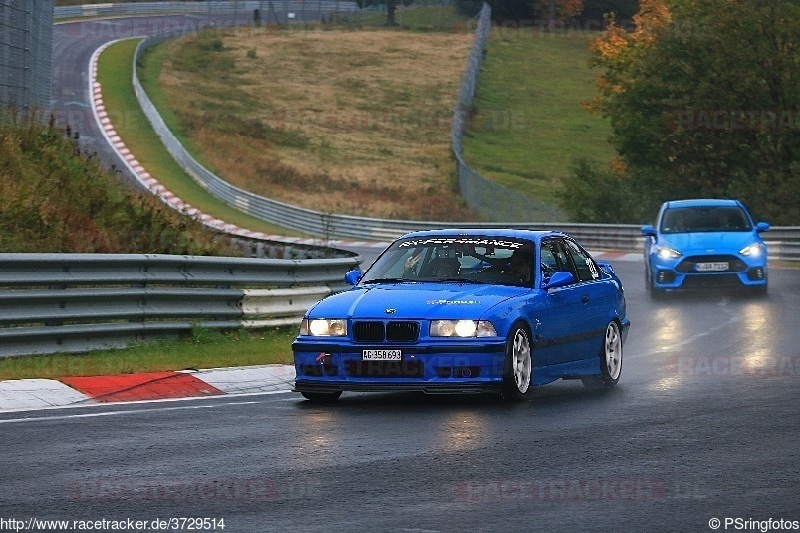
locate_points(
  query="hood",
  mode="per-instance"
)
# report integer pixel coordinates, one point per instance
(418, 301)
(702, 243)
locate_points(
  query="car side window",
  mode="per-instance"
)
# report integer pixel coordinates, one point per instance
(554, 258)
(585, 266)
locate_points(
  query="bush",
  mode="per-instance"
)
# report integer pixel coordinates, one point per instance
(608, 196)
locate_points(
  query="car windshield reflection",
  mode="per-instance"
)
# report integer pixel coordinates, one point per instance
(458, 259)
(704, 220)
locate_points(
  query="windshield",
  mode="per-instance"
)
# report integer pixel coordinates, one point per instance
(466, 259)
(704, 219)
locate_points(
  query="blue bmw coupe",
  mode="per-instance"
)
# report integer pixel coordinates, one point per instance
(702, 243)
(457, 311)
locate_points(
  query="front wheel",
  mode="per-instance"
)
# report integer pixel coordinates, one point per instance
(518, 365)
(610, 360)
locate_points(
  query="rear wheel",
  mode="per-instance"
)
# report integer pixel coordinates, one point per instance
(518, 367)
(610, 360)
(322, 397)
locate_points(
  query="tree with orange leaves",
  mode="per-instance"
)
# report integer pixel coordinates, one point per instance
(704, 100)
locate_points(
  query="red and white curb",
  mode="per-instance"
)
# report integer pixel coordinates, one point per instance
(24, 394)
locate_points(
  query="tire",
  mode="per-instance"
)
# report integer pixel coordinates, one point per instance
(610, 360)
(322, 397)
(518, 365)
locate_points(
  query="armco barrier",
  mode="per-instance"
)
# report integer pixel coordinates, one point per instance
(79, 302)
(226, 7)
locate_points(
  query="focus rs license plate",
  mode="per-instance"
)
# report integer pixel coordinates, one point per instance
(381, 355)
(712, 267)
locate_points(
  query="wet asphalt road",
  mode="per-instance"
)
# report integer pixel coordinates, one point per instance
(703, 425)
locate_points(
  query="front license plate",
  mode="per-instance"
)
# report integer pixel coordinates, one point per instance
(381, 355)
(712, 267)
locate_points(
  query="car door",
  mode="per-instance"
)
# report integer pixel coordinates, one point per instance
(565, 322)
(597, 297)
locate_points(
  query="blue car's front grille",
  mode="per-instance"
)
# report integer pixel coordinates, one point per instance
(394, 331)
(402, 331)
(369, 332)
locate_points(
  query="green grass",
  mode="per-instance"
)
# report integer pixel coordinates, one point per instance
(204, 349)
(529, 125)
(115, 69)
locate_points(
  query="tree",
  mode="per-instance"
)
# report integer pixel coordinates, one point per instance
(704, 100)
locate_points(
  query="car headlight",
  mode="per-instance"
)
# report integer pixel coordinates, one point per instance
(323, 327)
(753, 250)
(462, 328)
(667, 253)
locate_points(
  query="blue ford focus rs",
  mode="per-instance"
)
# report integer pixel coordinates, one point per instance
(457, 311)
(703, 243)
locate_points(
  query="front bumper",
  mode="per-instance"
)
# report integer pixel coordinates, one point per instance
(684, 273)
(468, 367)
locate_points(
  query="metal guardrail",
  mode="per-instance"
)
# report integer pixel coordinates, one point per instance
(227, 7)
(79, 302)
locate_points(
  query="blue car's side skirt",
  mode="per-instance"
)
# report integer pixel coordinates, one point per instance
(572, 370)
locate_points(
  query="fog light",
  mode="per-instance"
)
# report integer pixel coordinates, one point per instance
(665, 276)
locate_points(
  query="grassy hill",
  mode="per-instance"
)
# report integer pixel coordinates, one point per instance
(357, 122)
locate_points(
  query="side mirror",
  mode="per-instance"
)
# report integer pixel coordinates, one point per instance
(648, 231)
(762, 226)
(559, 279)
(352, 277)
(606, 267)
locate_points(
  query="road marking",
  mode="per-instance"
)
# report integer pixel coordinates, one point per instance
(135, 411)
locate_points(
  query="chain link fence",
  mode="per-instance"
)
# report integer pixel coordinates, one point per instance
(490, 200)
(26, 51)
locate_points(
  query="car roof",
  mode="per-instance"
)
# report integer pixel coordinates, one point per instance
(488, 232)
(702, 202)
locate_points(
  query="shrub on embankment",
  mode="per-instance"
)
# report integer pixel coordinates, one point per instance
(55, 198)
